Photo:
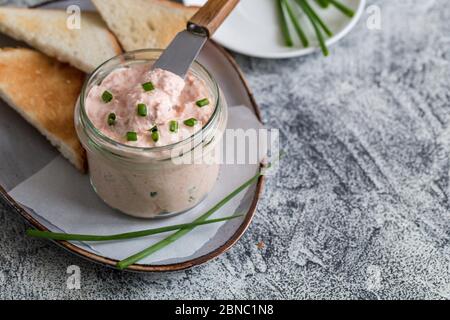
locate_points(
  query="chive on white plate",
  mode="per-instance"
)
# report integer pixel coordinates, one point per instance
(253, 28)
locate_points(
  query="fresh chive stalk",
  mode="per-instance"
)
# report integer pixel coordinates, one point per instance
(142, 109)
(107, 96)
(323, 3)
(132, 136)
(173, 126)
(341, 7)
(202, 103)
(112, 119)
(148, 86)
(174, 237)
(190, 122)
(319, 35)
(155, 136)
(316, 17)
(123, 236)
(296, 23)
(284, 25)
(154, 133)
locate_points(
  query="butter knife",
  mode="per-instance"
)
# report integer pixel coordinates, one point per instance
(184, 49)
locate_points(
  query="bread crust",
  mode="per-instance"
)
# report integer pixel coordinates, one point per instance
(46, 30)
(44, 92)
(160, 21)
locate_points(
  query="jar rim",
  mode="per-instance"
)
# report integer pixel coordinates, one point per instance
(87, 121)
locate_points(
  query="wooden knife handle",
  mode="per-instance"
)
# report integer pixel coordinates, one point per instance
(209, 17)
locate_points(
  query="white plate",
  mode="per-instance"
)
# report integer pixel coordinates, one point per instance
(253, 28)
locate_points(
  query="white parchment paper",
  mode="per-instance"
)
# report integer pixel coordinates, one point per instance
(63, 200)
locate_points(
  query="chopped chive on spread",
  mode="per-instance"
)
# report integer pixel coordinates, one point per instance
(190, 122)
(153, 194)
(148, 86)
(112, 119)
(107, 96)
(155, 136)
(142, 109)
(154, 129)
(173, 126)
(202, 103)
(132, 136)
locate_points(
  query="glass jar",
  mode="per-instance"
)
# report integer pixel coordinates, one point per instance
(158, 181)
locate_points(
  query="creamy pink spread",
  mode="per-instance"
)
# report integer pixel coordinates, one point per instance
(170, 102)
(141, 107)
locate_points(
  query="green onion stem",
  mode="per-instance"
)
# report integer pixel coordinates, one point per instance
(122, 236)
(316, 17)
(344, 9)
(319, 35)
(296, 24)
(284, 25)
(174, 237)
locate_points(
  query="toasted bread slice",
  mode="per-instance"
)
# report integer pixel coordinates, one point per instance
(44, 91)
(144, 24)
(47, 30)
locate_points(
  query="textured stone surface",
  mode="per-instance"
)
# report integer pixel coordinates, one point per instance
(361, 207)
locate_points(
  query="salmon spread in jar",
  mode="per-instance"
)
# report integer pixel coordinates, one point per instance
(147, 133)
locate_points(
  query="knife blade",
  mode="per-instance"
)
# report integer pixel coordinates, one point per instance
(181, 53)
(184, 49)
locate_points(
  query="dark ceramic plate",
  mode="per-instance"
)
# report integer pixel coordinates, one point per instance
(14, 170)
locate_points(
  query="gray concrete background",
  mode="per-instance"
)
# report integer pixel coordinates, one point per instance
(360, 208)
